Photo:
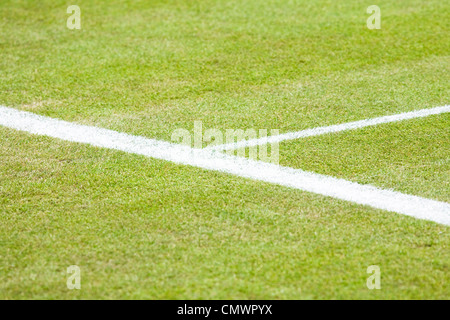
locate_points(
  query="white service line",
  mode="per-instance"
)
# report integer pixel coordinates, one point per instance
(328, 186)
(330, 129)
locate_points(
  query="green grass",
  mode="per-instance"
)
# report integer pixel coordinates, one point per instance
(141, 228)
(144, 228)
(149, 68)
(410, 156)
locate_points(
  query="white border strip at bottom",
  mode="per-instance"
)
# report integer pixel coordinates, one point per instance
(409, 205)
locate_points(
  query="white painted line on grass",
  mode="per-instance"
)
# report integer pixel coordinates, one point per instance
(294, 178)
(331, 129)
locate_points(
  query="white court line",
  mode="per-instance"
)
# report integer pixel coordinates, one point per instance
(330, 129)
(257, 170)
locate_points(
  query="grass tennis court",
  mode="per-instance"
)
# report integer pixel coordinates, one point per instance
(145, 228)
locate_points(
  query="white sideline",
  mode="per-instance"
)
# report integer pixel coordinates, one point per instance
(331, 129)
(328, 186)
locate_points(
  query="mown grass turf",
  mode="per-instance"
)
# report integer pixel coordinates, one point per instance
(151, 67)
(411, 156)
(142, 228)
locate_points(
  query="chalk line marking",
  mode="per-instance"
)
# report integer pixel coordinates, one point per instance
(257, 170)
(331, 129)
